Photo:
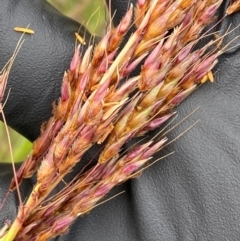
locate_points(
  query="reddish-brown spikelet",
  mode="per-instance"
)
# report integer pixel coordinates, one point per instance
(233, 7)
(120, 31)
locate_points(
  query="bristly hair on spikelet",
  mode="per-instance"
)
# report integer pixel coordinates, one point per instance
(101, 102)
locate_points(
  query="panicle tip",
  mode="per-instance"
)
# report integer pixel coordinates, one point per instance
(141, 3)
(75, 60)
(65, 91)
(126, 21)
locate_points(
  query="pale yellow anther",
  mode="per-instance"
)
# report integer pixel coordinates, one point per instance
(210, 76)
(80, 39)
(24, 30)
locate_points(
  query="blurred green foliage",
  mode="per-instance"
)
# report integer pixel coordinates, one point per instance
(93, 15)
(21, 146)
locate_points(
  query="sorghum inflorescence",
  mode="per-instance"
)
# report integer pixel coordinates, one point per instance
(98, 105)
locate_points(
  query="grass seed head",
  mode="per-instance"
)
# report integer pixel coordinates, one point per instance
(95, 106)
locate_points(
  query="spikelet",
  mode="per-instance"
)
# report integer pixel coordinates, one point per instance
(233, 7)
